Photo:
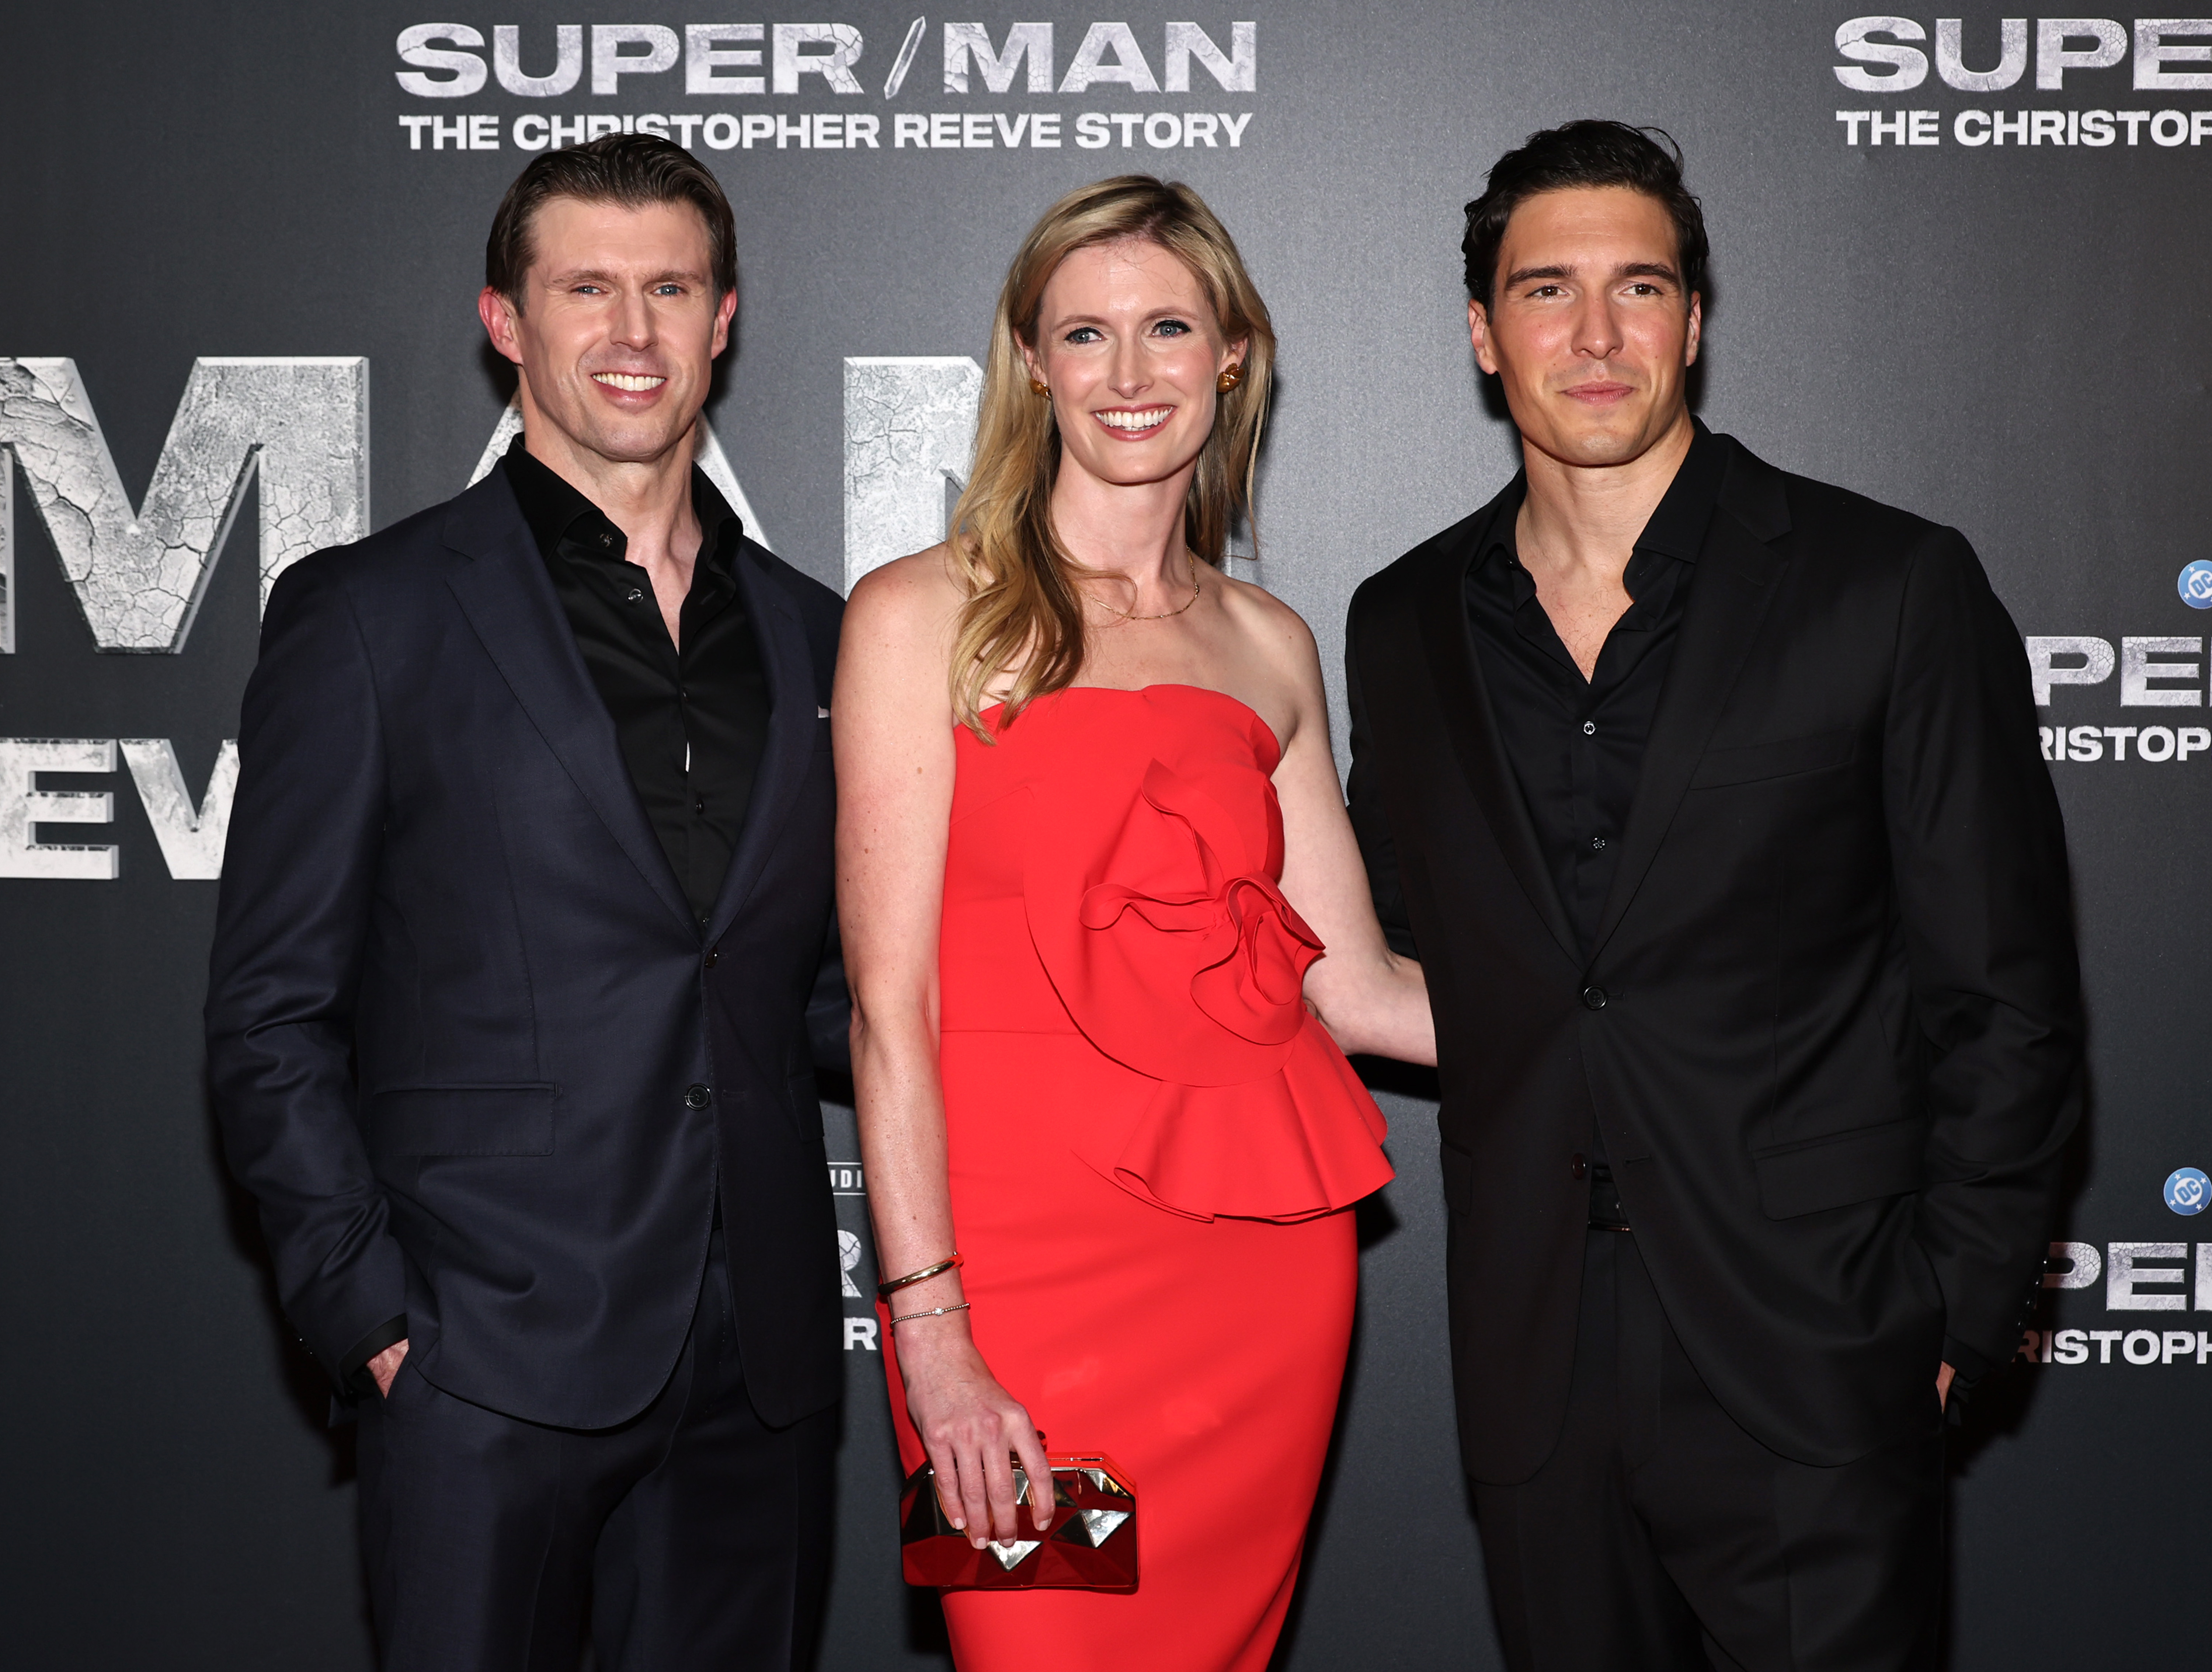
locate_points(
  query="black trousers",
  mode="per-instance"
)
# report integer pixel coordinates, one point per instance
(1660, 1535)
(693, 1536)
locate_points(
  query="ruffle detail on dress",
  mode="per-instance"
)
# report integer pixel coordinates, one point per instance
(1167, 936)
(1170, 944)
(1249, 948)
(1302, 1142)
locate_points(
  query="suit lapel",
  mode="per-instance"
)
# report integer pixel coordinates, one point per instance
(510, 602)
(1471, 723)
(789, 666)
(1729, 598)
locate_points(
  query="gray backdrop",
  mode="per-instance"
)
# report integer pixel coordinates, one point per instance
(2006, 336)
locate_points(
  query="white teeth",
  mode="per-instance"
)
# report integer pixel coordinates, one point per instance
(627, 380)
(1144, 420)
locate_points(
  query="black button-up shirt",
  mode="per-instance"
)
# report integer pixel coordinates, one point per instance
(692, 719)
(1577, 745)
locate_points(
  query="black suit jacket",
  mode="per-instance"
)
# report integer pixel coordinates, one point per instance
(471, 1049)
(1830, 1026)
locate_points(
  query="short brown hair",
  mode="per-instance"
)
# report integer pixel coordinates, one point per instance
(635, 170)
(1589, 152)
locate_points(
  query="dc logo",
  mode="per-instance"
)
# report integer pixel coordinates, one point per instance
(2195, 586)
(2188, 1191)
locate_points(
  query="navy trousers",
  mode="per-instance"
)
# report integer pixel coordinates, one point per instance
(693, 1536)
(1659, 1536)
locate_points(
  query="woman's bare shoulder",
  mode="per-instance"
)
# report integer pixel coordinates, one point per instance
(1275, 631)
(916, 598)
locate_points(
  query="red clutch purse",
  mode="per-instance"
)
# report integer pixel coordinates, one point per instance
(1091, 1544)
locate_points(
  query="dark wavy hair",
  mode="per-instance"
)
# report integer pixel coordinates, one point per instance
(634, 170)
(1589, 152)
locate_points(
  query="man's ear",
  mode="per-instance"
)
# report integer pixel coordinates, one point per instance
(1697, 329)
(498, 315)
(1478, 330)
(724, 311)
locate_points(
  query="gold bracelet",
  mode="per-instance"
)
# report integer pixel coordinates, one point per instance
(934, 1312)
(883, 1290)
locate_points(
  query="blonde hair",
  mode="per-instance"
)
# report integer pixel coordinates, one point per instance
(1023, 605)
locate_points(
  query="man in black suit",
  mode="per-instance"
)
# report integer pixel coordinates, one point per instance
(1710, 799)
(525, 918)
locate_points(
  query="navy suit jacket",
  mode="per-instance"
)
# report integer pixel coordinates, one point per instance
(471, 1051)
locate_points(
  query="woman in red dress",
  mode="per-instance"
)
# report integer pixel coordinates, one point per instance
(1093, 864)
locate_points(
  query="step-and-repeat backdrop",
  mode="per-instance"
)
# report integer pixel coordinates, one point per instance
(1959, 264)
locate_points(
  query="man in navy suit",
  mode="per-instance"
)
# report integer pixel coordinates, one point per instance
(523, 956)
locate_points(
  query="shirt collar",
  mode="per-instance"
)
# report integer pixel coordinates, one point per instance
(1677, 526)
(557, 510)
(1501, 545)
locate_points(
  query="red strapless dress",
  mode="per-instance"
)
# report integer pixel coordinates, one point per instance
(1151, 1148)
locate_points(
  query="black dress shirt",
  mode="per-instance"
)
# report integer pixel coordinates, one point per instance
(692, 719)
(1577, 745)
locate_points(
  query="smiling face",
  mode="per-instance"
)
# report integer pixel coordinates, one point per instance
(1130, 348)
(1588, 328)
(618, 326)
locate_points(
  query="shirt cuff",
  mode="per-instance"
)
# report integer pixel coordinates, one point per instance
(353, 1372)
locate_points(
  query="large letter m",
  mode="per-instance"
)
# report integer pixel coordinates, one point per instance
(139, 574)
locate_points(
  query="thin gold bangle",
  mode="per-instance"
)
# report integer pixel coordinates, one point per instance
(883, 1290)
(934, 1312)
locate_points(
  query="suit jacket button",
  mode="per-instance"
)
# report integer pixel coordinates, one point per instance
(1594, 998)
(697, 1097)
(1579, 1167)
(712, 958)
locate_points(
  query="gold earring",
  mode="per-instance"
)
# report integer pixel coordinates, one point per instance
(1231, 377)
(1037, 388)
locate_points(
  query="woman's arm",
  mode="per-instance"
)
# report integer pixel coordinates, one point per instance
(891, 723)
(1369, 998)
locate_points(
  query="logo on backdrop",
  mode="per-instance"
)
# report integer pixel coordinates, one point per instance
(770, 62)
(2084, 64)
(2187, 1191)
(2130, 1277)
(2154, 671)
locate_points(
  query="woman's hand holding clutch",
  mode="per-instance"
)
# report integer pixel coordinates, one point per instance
(972, 1429)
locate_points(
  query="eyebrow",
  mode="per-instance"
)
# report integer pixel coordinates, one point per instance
(595, 275)
(1072, 321)
(1560, 271)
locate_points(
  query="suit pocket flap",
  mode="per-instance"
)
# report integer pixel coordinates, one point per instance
(1834, 1171)
(1459, 1178)
(1755, 760)
(462, 1119)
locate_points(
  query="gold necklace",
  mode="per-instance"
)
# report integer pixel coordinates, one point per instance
(1196, 588)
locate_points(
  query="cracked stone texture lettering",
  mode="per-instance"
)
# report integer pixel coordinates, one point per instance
(909, 431)
(708, 455)
(139, 574)
(24, 806)
(190, 837)
(7, 557)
